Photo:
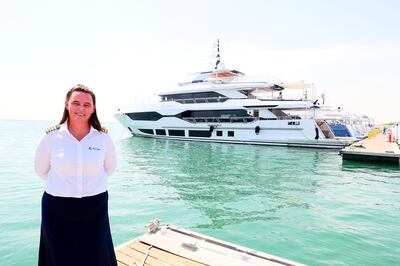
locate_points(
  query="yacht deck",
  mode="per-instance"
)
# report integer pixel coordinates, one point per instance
(374, 149)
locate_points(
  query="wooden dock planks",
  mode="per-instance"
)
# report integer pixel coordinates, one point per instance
(174, 246)
(135, 252)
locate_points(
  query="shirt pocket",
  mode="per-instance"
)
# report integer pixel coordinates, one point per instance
(64, 162)
(94, 162)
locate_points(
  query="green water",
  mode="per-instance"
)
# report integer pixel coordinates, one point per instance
(300, 204)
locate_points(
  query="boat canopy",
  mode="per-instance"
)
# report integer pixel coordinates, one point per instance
(297, 85)
(222, 75)
(237, 86)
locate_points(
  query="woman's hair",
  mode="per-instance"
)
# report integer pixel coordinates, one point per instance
(93, 120)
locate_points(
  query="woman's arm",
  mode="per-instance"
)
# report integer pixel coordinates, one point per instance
(42, 158)
(110, 160)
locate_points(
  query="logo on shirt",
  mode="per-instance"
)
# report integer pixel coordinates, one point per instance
(94, 149)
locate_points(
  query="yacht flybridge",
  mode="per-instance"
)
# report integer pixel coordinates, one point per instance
(220, 106)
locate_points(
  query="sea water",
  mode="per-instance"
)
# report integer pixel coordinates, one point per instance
(301, 204)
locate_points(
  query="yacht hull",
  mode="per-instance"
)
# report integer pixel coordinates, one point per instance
(288, 133)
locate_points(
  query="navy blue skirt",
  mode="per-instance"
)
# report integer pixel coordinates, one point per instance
(76, 231)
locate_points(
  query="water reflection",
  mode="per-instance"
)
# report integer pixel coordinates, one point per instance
(229, 184)
(372, 167)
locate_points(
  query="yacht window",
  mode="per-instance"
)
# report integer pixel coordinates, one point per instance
(207, 94)
(199, 100)
(219, 133)
(200, 133)
(231, 133)
(226, 114)
(176, 132)
(147, 131)
(196, 97)
(149, 116)
(160, 132)
(212, 100)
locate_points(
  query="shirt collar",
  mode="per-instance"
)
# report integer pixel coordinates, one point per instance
(64, 128)
(93, 130)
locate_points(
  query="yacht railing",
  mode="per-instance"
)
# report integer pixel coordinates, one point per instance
(199, 100)
(223, 99)
(235, 119)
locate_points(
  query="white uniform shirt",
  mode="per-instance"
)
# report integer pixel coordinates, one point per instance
(75, 168)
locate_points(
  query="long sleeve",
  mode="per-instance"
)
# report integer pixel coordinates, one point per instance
(42, 158)
(110, 160)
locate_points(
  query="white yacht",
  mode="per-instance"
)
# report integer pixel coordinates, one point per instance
(221, 106)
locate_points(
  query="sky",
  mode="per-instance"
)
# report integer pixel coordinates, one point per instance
(128, 50)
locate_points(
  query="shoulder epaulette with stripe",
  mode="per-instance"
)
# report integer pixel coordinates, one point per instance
(103, 129)
(52, 128)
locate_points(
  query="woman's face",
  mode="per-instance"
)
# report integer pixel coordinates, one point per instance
(80, 106)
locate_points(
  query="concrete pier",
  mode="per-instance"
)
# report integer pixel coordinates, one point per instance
(374, 149)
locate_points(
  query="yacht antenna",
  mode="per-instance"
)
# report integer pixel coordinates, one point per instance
(218, 56)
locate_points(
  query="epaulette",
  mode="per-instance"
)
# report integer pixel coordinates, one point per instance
(52, 128)
(104, 130)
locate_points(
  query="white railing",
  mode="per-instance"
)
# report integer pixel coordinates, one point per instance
(234, 119)
(199, 100)
(222, 99)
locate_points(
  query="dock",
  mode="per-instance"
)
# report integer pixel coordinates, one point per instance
(169, 245)
(373, 149)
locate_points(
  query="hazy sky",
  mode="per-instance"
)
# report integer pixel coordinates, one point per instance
(128, 50)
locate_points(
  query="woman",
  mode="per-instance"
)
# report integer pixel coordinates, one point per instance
(75, 159)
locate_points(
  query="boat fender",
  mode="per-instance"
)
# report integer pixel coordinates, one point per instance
(211, 129)
(316, 133)
(257, 130)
